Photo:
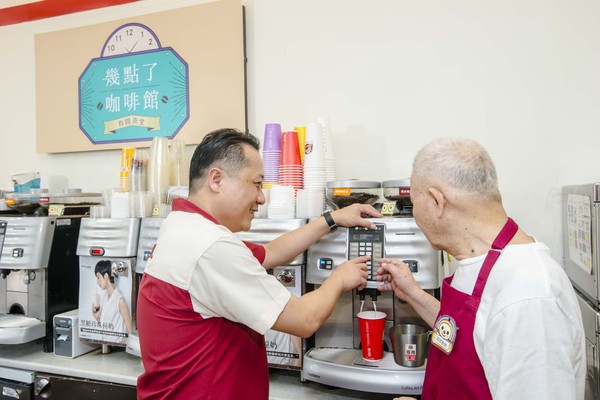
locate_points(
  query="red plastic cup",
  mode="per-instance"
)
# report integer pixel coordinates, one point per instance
(372, 328)
(290, 153)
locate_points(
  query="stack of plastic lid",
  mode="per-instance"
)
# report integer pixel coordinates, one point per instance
(328, 149)
(271, 154)
(290, 168)
(281, 203)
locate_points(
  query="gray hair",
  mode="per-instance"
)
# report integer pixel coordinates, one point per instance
(462, 163)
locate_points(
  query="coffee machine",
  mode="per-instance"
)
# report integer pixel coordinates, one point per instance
(336, 359)
(284, 351)
(149, 229)
(39, 275)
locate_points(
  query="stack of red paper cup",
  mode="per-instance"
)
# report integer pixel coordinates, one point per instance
(290, 167)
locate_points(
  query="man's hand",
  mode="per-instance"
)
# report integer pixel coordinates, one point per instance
(397, 277)
(352, 273)
(355, 214)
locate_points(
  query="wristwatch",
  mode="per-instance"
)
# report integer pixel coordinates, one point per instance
(330, 222)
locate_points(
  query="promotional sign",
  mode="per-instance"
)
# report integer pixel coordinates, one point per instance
(284, 349)
(135, 91)
(105, 295)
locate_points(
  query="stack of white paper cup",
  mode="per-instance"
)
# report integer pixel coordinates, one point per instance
(328, 149)
(309, 203)
(314, 160)
(282, 202)
(263, 208)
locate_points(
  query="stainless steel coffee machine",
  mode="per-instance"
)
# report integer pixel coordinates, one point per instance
(284, 351)
(336, 359)
(39, 275)
(149, 229)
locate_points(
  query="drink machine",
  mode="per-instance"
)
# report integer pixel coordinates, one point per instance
(39, 275)
(107, 251)
(149, 229)
(336, 359)
(284, 351)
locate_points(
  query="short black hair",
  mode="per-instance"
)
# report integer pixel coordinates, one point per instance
(104, 267)
(223, 148)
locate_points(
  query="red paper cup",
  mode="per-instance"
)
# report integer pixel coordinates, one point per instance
(372, 327)
(290, 154)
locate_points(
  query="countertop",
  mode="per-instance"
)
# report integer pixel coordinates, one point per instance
(124, 368)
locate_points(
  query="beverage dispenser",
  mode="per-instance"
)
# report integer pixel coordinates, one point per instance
(107, 251)
(149, 229)
(39, 275)
(336, 359)
(284, 351)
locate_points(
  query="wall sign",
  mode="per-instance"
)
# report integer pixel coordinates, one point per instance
(135, 91)
(175, 73)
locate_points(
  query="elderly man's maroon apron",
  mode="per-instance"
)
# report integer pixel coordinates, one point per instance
(453, 367)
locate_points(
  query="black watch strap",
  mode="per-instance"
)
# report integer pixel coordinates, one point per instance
(330, 221)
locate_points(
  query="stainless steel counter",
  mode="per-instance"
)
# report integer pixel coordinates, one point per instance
(121, 367)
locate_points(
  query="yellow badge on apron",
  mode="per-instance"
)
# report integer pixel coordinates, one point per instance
(444, 333)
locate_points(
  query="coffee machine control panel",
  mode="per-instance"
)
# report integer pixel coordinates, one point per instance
(367, 242)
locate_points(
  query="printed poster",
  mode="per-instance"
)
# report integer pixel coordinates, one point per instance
(105, 294)
(579, 231)
(283, 348)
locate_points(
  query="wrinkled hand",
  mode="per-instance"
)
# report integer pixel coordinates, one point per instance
(398, 277)
(354, 215)
(352, 273)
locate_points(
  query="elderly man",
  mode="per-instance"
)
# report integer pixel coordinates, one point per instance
(508, 325)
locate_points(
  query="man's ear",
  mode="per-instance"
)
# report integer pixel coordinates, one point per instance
(215, 177)
(439, 200)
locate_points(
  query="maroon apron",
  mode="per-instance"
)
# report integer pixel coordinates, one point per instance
(459, 375)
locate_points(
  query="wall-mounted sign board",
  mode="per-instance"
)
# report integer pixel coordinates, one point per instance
(176, 74)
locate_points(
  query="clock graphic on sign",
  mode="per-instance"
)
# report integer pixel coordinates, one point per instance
(130, 38)
(135, 91)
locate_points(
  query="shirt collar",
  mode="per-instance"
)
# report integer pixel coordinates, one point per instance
(187, 206)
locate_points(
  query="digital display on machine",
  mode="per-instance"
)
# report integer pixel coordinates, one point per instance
(365, 236)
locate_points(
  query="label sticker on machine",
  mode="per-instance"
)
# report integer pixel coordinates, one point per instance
(105, 296)
(284, 349)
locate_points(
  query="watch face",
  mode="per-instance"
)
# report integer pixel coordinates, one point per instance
(130, 38)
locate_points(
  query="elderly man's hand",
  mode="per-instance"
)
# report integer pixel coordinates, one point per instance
(397, 277)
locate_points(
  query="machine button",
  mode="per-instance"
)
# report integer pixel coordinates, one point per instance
(325, 263)
(96, 251)
(413, 265)
(17, 253)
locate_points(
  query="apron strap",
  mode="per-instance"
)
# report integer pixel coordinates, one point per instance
(504, 237)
